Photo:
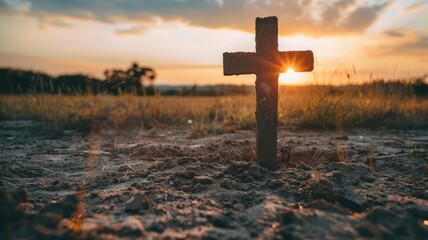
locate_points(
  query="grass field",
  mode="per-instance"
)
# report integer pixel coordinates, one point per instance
(308, 107)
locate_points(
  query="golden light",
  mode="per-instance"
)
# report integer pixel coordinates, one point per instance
(290, 77)
(425, 222)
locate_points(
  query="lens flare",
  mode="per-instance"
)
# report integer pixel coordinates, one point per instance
(291, 77)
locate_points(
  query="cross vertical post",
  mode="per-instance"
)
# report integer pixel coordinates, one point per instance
(267, 63)
(267, 93)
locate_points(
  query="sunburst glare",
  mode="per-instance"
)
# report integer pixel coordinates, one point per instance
(290, 77)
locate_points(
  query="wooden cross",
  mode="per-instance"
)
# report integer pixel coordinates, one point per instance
(267, 63)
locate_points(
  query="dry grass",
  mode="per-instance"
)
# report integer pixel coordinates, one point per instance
(308, 109)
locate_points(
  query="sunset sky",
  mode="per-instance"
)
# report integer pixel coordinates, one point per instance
(184, 39)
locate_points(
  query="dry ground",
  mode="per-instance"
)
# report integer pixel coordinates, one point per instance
(135, 183)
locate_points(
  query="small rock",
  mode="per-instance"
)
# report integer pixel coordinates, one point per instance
(387, 218)
(65, 208)
(276, 183)
(225, 220)
(391, 179)
(158, 227)
(238, 206)
(314, 224)
(227, 205)
(368, 231)
(187, 174)
(367, 178)
(130, 227)
(303, 166)
(230, 184)
(135, 203)
(125, 168)
(332, 188)
(290, 217)
(203, 180)
(401, 219)
(325, 206)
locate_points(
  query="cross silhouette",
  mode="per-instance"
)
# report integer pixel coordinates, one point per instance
(267, 63)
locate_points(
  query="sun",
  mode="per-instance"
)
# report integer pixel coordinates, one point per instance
(290, 77)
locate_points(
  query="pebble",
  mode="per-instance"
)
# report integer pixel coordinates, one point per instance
(321, 204)
(332, 188)
(130, 227)
(238, 206)
(125, 168)
(203, 180)
(158, 227)
(367, 178)
(135, 204)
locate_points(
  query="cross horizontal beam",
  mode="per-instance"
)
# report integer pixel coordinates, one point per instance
(253, 63)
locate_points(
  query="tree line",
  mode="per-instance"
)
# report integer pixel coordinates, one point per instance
(139, 80)
(136, 80)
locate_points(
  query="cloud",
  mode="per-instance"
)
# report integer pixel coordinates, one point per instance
(335, 17)
(419, 45)
(415, 7)
(362, 17)
(402, 42)
(394, 33)
(135, 30)
(16, 5)
(334, 14)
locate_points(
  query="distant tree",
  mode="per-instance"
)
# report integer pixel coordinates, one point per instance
(132, 80)
(420, 87)
(171, 92)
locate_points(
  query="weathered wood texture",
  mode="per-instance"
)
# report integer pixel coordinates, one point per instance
(267, 63)
(251, 63)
